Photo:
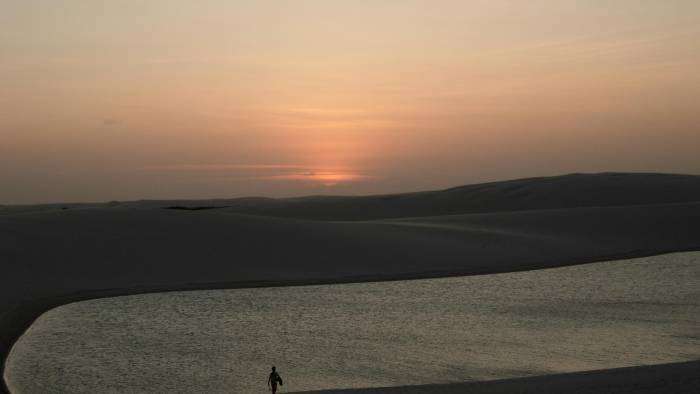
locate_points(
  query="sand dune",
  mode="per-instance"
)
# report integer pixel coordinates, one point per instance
(677, 378)
(52, 256)
(566, 191)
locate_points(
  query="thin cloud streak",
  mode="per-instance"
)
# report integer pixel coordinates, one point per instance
(322, 176)
(219, 167)
(327, 176)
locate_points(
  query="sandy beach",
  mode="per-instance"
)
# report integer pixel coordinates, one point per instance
(52, 256)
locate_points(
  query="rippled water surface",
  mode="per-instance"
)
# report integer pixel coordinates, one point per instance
(613, 314)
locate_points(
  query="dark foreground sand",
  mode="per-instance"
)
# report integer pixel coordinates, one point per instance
(679, 378)
(51, 256)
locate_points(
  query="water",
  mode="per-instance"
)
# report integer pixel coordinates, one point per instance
(605, 315)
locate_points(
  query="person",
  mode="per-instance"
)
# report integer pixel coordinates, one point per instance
(273, 380)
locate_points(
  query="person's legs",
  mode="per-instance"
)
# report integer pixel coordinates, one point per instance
(274, 388)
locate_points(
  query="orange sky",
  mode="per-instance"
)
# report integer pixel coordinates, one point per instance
(176, 99)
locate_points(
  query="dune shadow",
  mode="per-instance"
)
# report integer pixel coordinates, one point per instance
(681, 378)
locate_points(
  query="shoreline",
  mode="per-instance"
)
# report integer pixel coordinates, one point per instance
(37, 308)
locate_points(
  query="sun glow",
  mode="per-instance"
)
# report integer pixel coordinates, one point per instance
(326, 178)
(279, 98)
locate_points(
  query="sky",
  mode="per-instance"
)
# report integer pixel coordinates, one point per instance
(170, 99)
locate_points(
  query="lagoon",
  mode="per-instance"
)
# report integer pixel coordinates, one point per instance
(603, 315)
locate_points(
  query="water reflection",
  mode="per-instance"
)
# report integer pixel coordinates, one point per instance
(630, 312)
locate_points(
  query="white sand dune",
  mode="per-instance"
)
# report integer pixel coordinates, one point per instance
(51, 256)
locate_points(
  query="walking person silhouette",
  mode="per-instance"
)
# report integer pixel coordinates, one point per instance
(273, 380)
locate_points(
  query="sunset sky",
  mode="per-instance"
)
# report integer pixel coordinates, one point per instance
(167, 99)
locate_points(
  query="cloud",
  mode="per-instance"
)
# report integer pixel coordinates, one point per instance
(221, 167)
(327, 176)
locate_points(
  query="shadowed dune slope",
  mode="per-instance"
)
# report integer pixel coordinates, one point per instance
(566, 191)
(677, 378)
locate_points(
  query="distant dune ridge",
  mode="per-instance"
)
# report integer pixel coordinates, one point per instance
(51, 255)
(566, 191)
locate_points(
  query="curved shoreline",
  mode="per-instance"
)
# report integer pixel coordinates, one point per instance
(39, 307)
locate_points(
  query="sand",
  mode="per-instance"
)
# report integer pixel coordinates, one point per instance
(677, 378)
(52, 256)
